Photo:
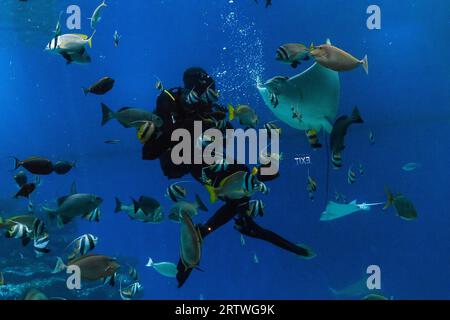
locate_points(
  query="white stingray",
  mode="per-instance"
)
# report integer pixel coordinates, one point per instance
(313, 95)
(338, 210)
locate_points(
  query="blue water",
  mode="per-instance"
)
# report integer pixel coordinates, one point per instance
(404, 101)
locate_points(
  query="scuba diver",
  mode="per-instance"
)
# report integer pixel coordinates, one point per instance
(180, 108)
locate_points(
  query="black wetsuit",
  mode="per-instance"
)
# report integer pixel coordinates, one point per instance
(178, 114)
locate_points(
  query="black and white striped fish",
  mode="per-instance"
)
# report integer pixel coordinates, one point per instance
(83, 245)
(193, 97)
(40, 245)
(274, 100)
(38, 228)
(272, 126)
(263, 188)
(210, 95)
(255, 208)
(94, 215)
(133, 274)
(110, 280)
(221, 165)
(336, 160)
(351, 176)
(131, 291)
(176, 192)
(18, 231)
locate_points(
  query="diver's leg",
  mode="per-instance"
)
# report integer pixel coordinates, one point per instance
(248, 227)
(221, 217)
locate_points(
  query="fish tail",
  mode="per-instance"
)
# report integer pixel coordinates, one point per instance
(390, 198)
(60, 266)
(149, 263)
(356, 116)
(118, 205)
(365, 64)
(17, 163)
(212, 193)
(90, 39)
(85, 90)
(231, 111)
(107, 114)
(200, 203)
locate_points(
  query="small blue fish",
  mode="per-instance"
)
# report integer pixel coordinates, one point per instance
(411, 166)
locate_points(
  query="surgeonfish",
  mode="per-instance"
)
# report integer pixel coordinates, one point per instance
(404, 207)
(186, 207)
(190, 243)
(100, 87)
(166, 269)
(93, 267)
(35, 165)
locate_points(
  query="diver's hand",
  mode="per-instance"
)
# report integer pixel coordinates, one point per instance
(146, 131)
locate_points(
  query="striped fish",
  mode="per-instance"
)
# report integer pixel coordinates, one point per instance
(131, 291)
(274, 100)
(175, 192)
(210, 95)
(133, 274)
(193, 97)
(83, 245)
(313, 139)
(18, 231)
(351, 176)
(263, 188)
(94, 215)
(255, 208)
(38, 228)
(336, 160)
(40, 245)
(110, 280)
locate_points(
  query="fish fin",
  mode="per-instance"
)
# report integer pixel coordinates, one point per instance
(17, 163)
(231, 112)
(73, 188)
(90, 39)
(390, 198)
(328, 42)
(212, 193)
(85, 91)
(118, 205)
(60, 266)
(365, 64)
(200, 203)
(356, 116)
(149, 263)
(199, 269)
(295, 64)
(107, 114)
